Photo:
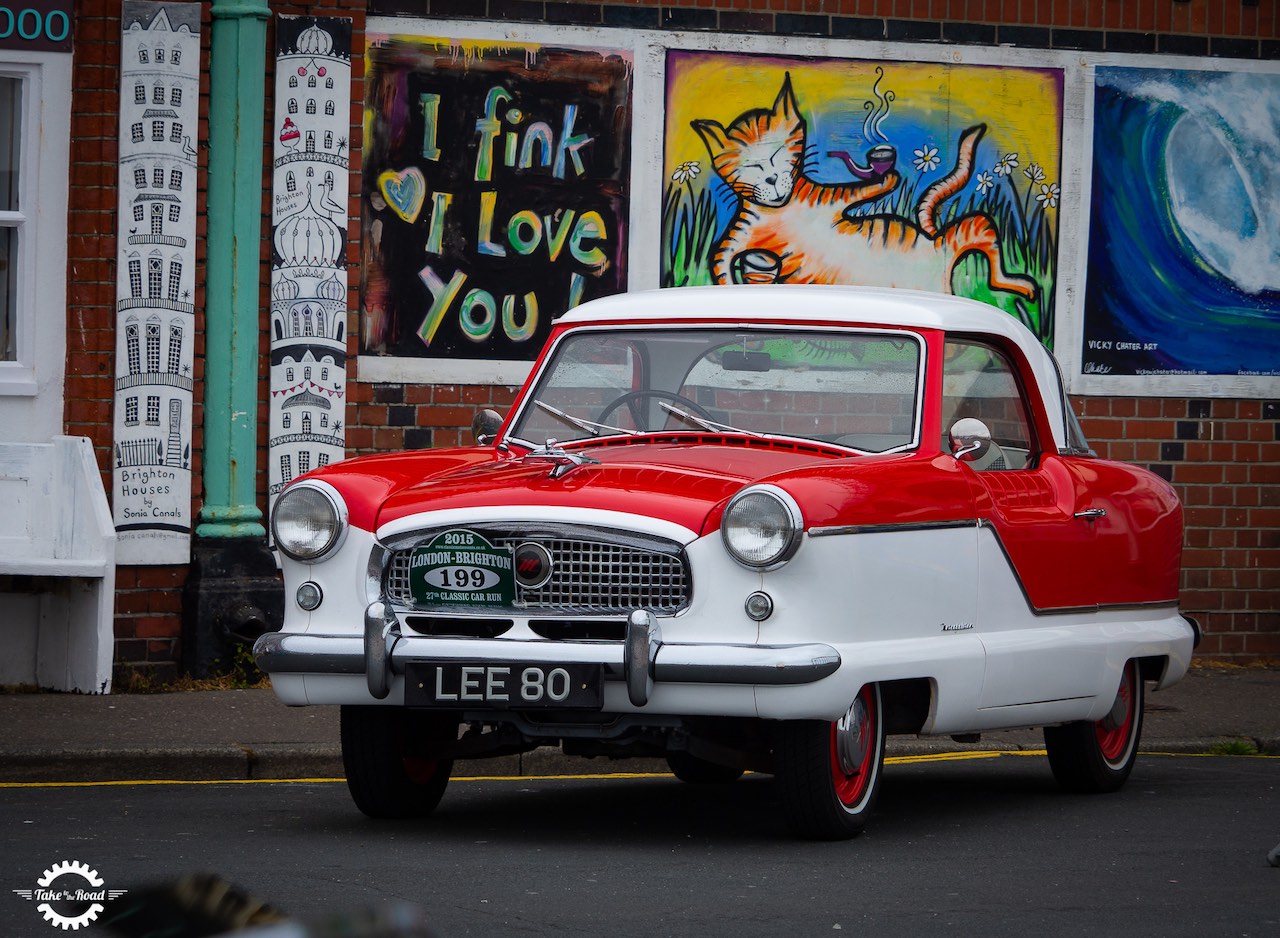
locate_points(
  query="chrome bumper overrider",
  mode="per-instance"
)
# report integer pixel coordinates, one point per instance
(641, 660)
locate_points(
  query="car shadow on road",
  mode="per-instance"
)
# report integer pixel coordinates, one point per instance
(660, 809)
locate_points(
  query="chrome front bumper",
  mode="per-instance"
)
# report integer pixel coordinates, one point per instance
(642, 659)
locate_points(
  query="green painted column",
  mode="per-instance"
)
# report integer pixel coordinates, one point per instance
(237, 97)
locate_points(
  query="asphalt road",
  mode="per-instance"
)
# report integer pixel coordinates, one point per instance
(977, 846)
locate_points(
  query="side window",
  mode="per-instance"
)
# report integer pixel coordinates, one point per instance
(979, 381)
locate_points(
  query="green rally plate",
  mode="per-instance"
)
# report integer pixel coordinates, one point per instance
(461, 568)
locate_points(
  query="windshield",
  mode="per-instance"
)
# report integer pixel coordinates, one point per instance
(855, 389)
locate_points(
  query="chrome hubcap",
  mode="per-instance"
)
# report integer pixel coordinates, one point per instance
(850, 729)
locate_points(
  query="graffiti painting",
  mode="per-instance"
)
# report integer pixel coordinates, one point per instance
(494, 192)
(1184, 236)
(919, 175)
(309, 246)
(155, 311)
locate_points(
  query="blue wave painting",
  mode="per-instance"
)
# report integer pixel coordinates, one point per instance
(1184, 232)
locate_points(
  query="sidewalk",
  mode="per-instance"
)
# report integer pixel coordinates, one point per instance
(242, 734)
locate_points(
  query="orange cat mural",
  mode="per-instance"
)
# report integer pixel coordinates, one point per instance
(792, 229)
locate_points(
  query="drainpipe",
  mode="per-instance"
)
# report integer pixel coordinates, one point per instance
(231, 563)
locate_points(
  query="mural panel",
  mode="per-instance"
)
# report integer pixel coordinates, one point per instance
(1184, 232)
(494, 192)
(309, 246)
(155, 256)
(921, 175)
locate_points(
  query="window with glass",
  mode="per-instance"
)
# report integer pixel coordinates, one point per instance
(11, 218)
(979, 381)
(860, 390)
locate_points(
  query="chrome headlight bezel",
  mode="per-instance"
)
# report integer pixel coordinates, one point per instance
(783, 527)
(329, 519)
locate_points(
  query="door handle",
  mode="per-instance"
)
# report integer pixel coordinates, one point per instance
(1091, 514)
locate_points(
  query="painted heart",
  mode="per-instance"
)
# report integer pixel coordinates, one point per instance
(404, 191)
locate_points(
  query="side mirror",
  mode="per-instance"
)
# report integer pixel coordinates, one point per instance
(485, 426)
(970, 439)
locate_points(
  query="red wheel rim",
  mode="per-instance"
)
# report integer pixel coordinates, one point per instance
(850, 787)
(1114, 742)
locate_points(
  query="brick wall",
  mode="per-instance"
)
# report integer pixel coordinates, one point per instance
(1234, 28)
(1223, 456)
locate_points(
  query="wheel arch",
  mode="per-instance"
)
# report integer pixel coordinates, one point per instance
(907, 704)
(1153, 667)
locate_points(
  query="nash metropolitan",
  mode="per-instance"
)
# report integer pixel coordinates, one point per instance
(743, 528)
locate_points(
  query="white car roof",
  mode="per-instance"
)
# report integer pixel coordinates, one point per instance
(769, 303)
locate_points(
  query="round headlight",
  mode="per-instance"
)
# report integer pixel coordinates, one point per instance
(308, 521)
(762, 527)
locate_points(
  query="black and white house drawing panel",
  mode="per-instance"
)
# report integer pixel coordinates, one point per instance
(309, 237)
(155, 311)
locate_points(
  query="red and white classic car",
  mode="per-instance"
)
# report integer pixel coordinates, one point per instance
(747, 527)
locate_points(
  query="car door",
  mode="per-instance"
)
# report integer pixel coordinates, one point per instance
(1037, 563)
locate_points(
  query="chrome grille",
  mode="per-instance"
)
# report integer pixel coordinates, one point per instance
(595, 574)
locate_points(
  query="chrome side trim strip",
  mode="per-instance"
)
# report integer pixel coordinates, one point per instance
(840, 529)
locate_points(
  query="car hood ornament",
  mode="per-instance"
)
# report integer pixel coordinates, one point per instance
(562, 461)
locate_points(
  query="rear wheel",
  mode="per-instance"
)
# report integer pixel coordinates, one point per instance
(829, 773)
(1098, 757)
(391, 757)
(697, 771)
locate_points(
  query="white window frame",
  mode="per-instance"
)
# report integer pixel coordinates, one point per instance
(31, 385)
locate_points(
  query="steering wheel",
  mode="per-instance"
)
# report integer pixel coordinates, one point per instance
(631, 400)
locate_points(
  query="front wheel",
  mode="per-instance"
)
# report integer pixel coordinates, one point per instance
(391, 757)
(1098, 757)
(829, 773)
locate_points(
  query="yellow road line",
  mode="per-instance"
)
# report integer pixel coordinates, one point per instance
(889, 760)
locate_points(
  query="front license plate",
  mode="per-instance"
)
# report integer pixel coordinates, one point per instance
(488, 685)
(461, 568)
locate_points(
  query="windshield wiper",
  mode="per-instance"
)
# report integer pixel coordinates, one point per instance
(581, 423)
(706, 424)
